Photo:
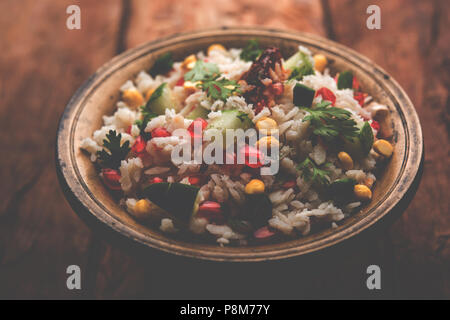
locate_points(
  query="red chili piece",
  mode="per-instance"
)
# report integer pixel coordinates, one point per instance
(326, 94)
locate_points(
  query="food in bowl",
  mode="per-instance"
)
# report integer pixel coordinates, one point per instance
(325, 138)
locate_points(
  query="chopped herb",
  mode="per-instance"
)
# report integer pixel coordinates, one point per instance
(366, 138)
(219, 89)
(146, 116)
(306, 68)
(115, 152)
(252, 51)
(331, 122)
(162, 65)
(202, 71)
(311, 172)
(345, 80)
(155, 95)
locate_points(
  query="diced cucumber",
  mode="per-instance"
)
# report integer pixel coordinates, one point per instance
(341, 190)
(360, 145)
(303, 95)
(230, 119)
(345, 80)
(257, 209)
(198, 112)
(293, 61)
(300, 65)
(180, 200)
(161, 100)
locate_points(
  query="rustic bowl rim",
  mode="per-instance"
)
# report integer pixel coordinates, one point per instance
(82, 201)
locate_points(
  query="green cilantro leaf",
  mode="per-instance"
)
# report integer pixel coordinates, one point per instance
(311, 172)
(331, 122)
(113, 152)
(219, 89)
(252, 51)
(366, 138)
(146, 116)
(202, 71)
(306, 68)
(162, 65)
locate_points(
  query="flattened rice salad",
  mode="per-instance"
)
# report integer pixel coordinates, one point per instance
(332, 140)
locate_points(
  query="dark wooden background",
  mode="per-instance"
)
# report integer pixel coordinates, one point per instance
(42, 64)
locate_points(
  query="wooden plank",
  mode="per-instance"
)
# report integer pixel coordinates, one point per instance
(150, 20)
(41, 65)
(413, 46)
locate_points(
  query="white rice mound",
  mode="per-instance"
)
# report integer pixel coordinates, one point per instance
(292, 212)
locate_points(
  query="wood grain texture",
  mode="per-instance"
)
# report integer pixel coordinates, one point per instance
(40, 235)
(414, 46)
(41, 65)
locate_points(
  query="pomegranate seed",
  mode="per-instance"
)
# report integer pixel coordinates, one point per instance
(263, 233)
(160, 133)
(277, 88)
(360, 97)
(355, 83)
(326, 94)
(289, 184)
(253, 157)
(139, 145)
(210, 206)
(375, 125)
(199, 122)
(195, 180)
(155, 180)
(111, 179)
(180, 82)
(210, 210)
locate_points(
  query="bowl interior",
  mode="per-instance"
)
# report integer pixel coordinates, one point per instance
(99, 95)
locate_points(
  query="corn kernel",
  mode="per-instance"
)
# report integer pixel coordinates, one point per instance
(383, 147)
(216, 46)
(132, 98)
(320, 62)
(268, 142)
(149, 93)
(362, 192)
(266, 123)
(142, 209)
(255, 186)
(189, 62)
(346, 160)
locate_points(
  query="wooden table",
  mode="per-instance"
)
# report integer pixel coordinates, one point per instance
(42, 64)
